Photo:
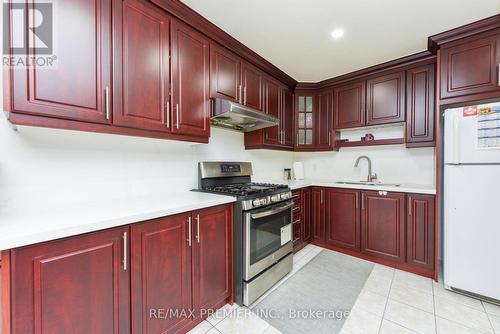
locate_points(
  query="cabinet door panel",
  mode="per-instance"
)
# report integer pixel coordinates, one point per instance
(145, 68)
(306, 215)
(75, 88)
(161, 273)
(324, 115)
(470, 67)
(318, 214)
(58, 286)
(386, 99)
(212, 256)
(251, 80)
(190, 85)
(382, 225)
(420, 231)
(420, 105)
(287, 115)
(343, 218)
(272, 97)
(349, 102)
(224, 73)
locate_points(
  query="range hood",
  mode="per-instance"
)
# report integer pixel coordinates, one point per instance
(238, 117)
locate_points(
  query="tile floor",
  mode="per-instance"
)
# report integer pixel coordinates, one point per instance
(392, 301)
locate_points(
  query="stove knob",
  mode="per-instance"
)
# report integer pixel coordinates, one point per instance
(263, 201)
(275, 198)
(256, 202)
(285, 196)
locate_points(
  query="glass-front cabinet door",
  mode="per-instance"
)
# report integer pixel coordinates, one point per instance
(305, 120)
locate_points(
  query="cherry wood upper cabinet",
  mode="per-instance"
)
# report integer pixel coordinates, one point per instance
(273, 102)
(190, 81)
(79, 88)
(144, 67)
(349, 105)
(212, 257)
(383, 225)
(470, 66)
(385, 99)
(225, 70)
(318, 213)
(287, 118)
(343, 227)
(252, 86)
(74, 285)
(161, 273)
(420, 109)
(324, 120)
(420, 231)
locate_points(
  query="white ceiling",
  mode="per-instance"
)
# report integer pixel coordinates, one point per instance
(295, 36)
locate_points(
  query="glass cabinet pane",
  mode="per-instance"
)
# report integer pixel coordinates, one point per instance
(309, 137)
(309, 120)
(302, 103)
(301, 137)
(301, 119)
(309, 103)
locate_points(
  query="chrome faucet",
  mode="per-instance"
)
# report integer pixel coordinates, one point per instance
(371, 176)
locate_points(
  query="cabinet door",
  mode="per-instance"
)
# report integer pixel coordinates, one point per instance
(324, 115)
(420, 111)
(318, 214)
(306, 215)
(420, 231)
(75, 285)
(161, 274)
(251, 81)
(212, 270)
(342, 214)
(145, 68)
(385, 99)
(382, 225)
(349, 103)
(190, 85)
(305, 121)
(470, 66)
(79, 87)
(287, 116)
(272, 98)
(224, 74)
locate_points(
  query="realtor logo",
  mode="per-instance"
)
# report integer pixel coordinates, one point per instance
(28, 34)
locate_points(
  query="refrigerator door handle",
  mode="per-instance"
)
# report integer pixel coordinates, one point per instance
(456, 138)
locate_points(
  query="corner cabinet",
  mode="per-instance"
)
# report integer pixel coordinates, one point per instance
(324, 120)
(305, 121)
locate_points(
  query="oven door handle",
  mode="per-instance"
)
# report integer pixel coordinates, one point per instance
(271, 212)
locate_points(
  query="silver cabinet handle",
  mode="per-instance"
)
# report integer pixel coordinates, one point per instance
(240, 93)
(357, 200)
(106, 97)
(167, 114)
(296, 221)
(125, 250)
(410, 205)
(329, 138)
(177, 115)
(362, 201)
(245, 95)
(197, 218)
(189, 232)
(321, 196)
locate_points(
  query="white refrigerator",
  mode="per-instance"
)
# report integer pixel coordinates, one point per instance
(471, 231)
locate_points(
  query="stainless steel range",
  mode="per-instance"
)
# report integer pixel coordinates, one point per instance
(262, 226)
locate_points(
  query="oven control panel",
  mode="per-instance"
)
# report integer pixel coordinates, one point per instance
(266, 200)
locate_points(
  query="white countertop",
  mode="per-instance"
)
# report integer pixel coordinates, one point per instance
(404, 188)
(26, 226)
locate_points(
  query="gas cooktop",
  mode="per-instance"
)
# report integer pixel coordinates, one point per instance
(245, 189)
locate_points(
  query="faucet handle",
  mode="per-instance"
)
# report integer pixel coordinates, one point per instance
(374, 176)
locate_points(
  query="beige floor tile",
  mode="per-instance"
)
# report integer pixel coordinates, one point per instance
(445, 326)
(272, 330)
(371, 302)
(462, 314)
(362, 322)
(242, 321)
(409, 317)
(378, 283)
(202, 328)
(412, 297)
(405, 280)
(389, 327)
(221, 314)
(492, 309)
(440, 291)
(495, 322)
(213, 331)
(383, 270)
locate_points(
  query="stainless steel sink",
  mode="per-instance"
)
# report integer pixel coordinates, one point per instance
(364, 183)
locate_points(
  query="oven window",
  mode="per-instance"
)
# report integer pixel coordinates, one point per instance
(265, 235)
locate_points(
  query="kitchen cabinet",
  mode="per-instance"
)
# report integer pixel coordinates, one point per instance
(349, 105)
(318, 213)
(272, 106)
(301, 218)
(225, 74)
(324, 120)
(144, 66)
(252, 86)
(190, 81)
(342, 212)
(288, 118)
(420, 229)
(161, 270)
(420, 108)
(61, 285)
(79, 87)
(383, 225)
(469, 66)
(305, 106)
(385, 99)
(306, 215)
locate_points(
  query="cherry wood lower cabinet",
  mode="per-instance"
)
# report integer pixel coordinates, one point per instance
(301, 218)
(421, 231)
(342, 217)
(318, 213)
(75, 285)
(124, 280)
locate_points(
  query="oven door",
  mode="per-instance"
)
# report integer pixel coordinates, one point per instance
(267, 237)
